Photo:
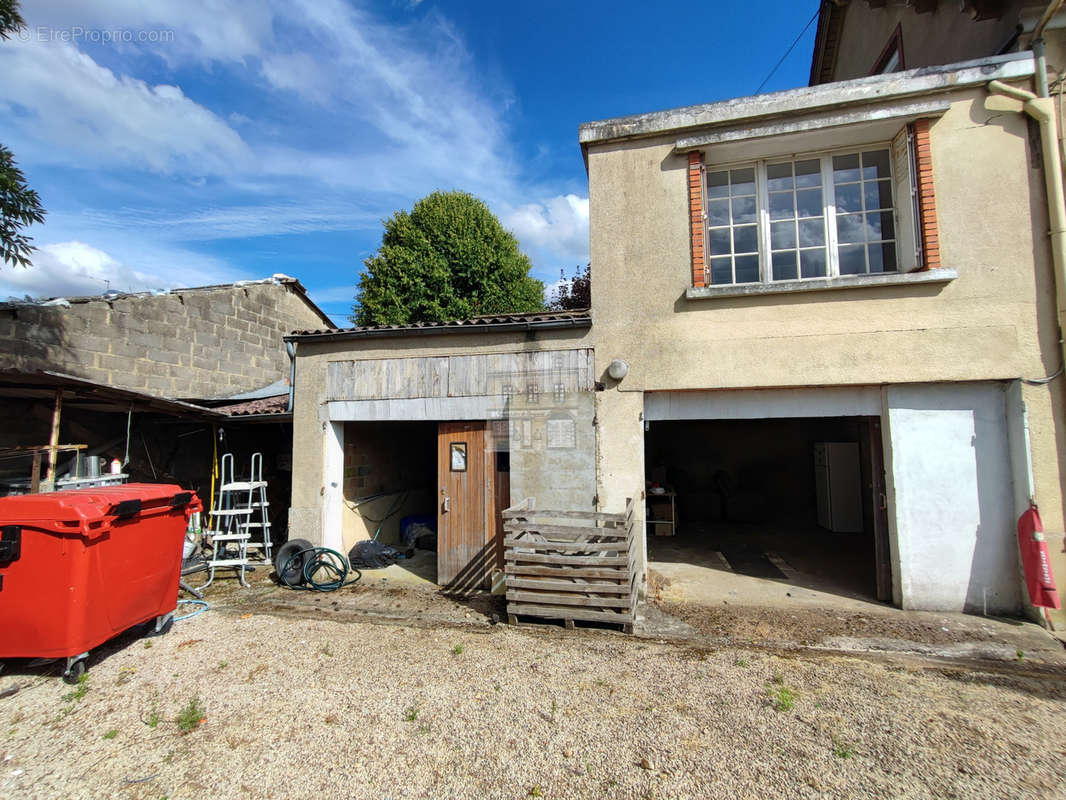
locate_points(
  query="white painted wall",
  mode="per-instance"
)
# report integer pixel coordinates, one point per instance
(333, 490)
(951, 497)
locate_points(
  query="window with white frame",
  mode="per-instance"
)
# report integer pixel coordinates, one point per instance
(816, 216)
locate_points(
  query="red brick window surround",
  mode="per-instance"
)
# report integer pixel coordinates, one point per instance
(923, 158)
(695, 207)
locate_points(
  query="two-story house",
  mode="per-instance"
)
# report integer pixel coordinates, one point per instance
(824, 332)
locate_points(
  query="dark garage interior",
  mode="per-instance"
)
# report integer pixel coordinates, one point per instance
(743, 497)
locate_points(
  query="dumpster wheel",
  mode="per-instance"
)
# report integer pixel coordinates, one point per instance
(76, 666)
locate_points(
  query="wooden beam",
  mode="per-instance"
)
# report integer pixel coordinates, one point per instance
(35, 475)
(53, 441)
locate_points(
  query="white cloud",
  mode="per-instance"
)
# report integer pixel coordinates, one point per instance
(559, 227)
(349, 118)
(71, 269)
(82, 113)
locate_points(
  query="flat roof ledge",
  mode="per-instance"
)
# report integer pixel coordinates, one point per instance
(873, 89)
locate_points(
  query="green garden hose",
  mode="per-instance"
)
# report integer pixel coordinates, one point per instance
(315, 559)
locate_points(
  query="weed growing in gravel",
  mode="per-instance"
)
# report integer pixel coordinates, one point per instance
(79, 690)
(535, 792)
(1020, 654)
(325, 650)
(111, 734)
(741, 662)
(222, 665)
(410, 714)
(784, 699)
(147, 644)
(191, 716)
(555, 707)
(842, 749)
(458, 649)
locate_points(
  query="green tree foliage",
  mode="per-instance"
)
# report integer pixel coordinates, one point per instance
(19, 204)
(449, 258)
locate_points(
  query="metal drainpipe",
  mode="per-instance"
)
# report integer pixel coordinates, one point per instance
(1042, 109)
(290, 348)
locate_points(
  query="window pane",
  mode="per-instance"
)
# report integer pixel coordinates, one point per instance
(717, 184)
(852, 259)
(743, 210)
(717, 212)
(743, 180)
(718, 242)
(808, 173)
(849, 228)
(782, 235)
(722, 270)
(883, 257)
(747, 269)
(811, 232)
(745, 239)
(785, 266)
(809, 203)
(875, 164)
(849, 197)
(846, 168)
(778, 177)
(879, 226)
(781, 205)
(878, 195)
(812, 263)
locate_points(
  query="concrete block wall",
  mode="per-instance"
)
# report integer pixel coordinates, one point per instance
(193, 343)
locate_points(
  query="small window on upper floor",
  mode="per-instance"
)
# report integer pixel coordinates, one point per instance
(891, 58)
(813, 217)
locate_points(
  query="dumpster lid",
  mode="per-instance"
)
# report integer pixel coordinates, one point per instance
(90, 504)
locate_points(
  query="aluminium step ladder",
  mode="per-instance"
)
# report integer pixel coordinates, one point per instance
(240, 509)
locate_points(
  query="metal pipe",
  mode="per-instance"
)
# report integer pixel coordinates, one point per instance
(1041, 67)
(1045, 18)
(1036, 44)
(1042, 109)
(290, 348)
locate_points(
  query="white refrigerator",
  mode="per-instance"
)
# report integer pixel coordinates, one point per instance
(838, 485)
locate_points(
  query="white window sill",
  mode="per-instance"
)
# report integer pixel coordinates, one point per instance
(822, 284)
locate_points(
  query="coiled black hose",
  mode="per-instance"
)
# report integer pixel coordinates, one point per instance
(332, 564)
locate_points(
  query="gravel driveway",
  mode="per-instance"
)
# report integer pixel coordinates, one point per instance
(297, 707)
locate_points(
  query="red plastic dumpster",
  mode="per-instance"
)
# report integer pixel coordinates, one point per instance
(79, 567)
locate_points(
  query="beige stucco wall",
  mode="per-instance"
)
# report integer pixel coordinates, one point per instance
(995, 321)
(309, 411)
(944, 36)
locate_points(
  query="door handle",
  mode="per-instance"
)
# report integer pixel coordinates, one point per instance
(446, 506)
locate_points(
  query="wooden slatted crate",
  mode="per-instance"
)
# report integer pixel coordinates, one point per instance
(570, 565)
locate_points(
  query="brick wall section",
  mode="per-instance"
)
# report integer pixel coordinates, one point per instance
(194, 343)
(695, 207)
(926, 195)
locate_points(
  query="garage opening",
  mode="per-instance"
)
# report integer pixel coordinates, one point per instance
(390, 477)
(735, 506)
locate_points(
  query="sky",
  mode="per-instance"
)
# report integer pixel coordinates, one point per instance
(194, 142)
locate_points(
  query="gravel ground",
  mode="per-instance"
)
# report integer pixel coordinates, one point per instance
(297, 707)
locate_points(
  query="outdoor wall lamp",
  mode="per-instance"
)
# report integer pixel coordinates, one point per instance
(618, 369)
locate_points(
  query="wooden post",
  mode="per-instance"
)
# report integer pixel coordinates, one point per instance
(35, 476)
(53, 441)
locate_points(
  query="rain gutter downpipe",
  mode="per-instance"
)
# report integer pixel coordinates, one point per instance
(1042, 109)
(290, 348)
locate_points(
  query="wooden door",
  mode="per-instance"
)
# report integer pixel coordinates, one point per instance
(465, 556)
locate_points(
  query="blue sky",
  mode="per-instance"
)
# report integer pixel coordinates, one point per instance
(188, 142)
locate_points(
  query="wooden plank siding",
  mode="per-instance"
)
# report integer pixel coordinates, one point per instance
(570, 565)
(461, 375)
